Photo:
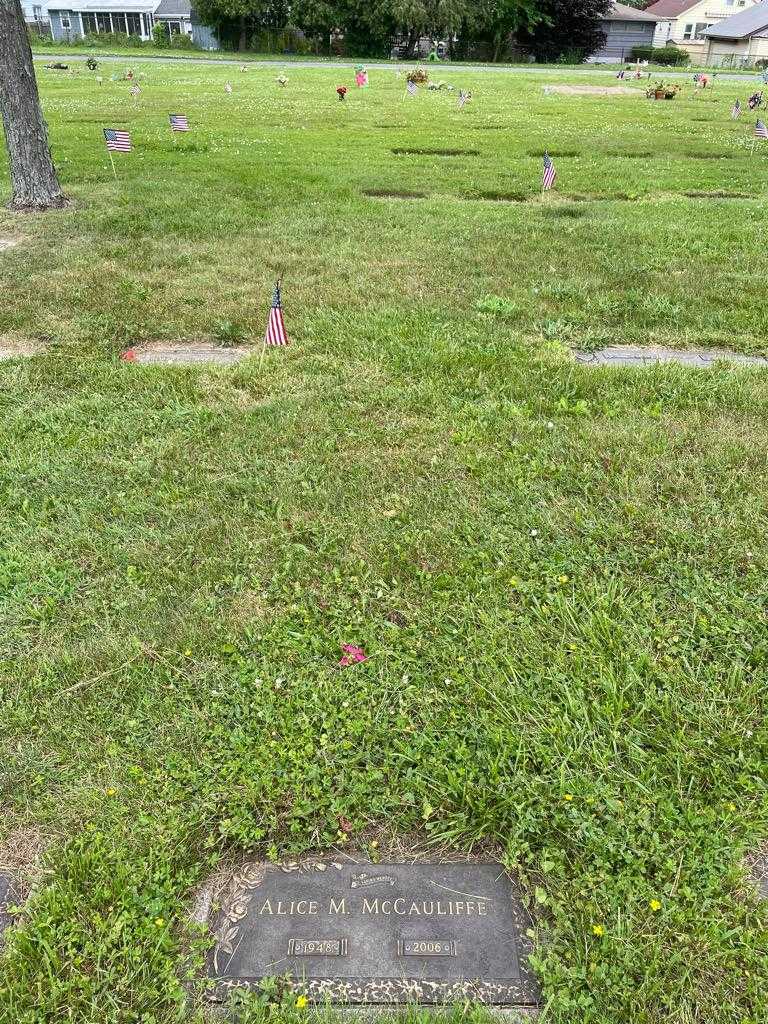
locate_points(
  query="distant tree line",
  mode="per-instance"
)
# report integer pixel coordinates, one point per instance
(551, 30)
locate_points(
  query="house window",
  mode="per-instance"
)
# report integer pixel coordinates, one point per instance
(89, 22)
(37, 12)
(134, 24)
(696, 31)
(103, 23)
(118, 22)
(174, 28)
(65, 23)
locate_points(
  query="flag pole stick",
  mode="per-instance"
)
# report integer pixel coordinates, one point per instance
(111, 160)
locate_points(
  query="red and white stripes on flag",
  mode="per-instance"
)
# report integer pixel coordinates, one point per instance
(761, 132)
(179, 122)
(550, 174)
(276, 325)
(117, 140)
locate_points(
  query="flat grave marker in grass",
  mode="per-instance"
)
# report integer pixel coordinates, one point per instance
(181, 354)
(633, 355)
(375, 933)
(8, 897)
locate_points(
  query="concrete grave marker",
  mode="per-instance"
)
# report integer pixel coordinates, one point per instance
(376, 933)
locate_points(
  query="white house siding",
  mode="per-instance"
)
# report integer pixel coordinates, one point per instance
(672, 31)
(621, 38)
(733, 52)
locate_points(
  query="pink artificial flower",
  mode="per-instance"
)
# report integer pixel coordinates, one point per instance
(353, 655)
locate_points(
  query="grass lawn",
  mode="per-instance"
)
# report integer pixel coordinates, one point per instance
(558, 572)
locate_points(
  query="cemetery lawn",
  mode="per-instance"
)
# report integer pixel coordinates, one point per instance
(558, 572)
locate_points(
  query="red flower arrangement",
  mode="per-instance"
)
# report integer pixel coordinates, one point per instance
(342, 91)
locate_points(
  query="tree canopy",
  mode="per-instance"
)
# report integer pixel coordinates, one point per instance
(551, 29)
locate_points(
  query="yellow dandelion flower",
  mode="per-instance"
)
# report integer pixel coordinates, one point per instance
(568, 797)
(301, 1002)
(188, 653)
(654, 905)
(159, 922)
(564, 579)
(111, 791)
(598, 929)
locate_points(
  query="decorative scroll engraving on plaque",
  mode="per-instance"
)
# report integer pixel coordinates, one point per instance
(317, 947)
(365, 881)
(426, 947)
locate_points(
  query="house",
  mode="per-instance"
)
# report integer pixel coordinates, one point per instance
(80, 17)
(34, 14)
(180, 19)
(740, 40)
(132, 17)
(624, 27)
(683, 22)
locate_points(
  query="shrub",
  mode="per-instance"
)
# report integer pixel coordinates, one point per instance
(114, 40)
(181, 41)
(668, 55)
(160, 34)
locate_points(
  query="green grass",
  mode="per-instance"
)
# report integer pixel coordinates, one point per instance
(558, 571)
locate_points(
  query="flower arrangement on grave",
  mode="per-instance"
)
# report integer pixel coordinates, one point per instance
(341, 92)
(91, 63)
(418, 76)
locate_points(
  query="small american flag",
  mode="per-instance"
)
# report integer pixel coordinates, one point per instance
(621, 74)
(736, 110)
(550, 174)
(275, 325)
(761, 132)
(117, 141)
(179, 122)
(463, 97)
(412, 88)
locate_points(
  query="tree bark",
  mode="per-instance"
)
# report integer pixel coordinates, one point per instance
(34, 183)
(243, 42)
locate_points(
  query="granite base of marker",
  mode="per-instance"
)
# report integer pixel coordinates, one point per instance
(372, 936)
(631, 355)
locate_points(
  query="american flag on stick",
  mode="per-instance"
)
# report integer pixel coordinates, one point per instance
(117, 140)
(275, 334)
(179, 122)
(463, 97)
(761, 132)
(736, 110)
(412, 88)
(550, 174)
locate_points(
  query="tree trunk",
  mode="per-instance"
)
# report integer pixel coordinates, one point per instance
(34, 183)
(243, 44)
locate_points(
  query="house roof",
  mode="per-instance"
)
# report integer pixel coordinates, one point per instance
(670, 9)
(751, 22)
(174, 9)
(621, 12)
(84, 6)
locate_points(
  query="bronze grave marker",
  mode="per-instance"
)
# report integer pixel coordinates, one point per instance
(375, 933)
